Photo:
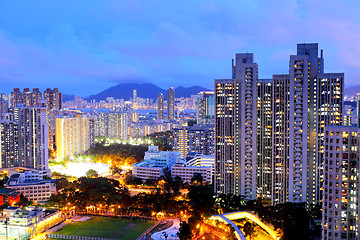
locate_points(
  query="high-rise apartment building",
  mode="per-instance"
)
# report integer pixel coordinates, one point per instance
(4, 104)
(194, 139)
(264, 138)
(180, 141)
(341, 183)
(171, 103)
(27, 97)
(201, 139)
(226, 164)
(278, 128)
(16, 97)
(36, 96)
(92, 132)
(205, 107)
(135, 99)
(245, 73)
(9, 140)
(118, 125)
(72, 135)
(33, 136)
(280, 139)
(112, 125)
(53, 98)
(160, 106)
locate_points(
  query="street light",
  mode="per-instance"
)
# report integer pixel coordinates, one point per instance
(6, 227)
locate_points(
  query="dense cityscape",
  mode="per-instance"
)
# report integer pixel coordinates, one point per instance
(156, 122)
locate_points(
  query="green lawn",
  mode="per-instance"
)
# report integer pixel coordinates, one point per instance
(107, 228)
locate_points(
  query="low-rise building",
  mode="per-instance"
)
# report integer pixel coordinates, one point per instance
(32, 185)
(202, 164)
(154, 163)
(146, 170)
(25, 224)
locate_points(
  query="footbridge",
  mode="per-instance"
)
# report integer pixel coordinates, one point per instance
(227, 218)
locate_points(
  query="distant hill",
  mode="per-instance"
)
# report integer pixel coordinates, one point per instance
(350, 91)
(67, 97)
(144, 90)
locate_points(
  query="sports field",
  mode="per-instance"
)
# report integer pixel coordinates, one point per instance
(107, 228)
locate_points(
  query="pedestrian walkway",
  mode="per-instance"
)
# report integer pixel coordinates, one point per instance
(169, 233)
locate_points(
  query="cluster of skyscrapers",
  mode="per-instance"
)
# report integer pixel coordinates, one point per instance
(25, 127)
(160, 103)
(272, 135)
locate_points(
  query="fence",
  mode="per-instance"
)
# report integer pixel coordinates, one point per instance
(60, 236)
(147, 231)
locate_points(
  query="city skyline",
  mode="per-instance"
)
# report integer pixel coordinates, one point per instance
(102, 44)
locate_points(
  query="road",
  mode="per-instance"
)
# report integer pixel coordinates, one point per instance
(134, 191)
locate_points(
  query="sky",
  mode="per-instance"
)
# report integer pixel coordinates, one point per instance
(85, 46)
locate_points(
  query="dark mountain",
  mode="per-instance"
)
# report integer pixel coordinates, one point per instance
(350, 91)
(144, 90)
(67, 97)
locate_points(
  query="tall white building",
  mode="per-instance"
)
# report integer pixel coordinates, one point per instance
(73, 135)
(341, 183)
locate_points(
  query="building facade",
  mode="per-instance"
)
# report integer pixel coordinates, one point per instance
(33, 136)
(278, 128)
(160, 106)
(32, 185)
(341, 183)
(205, 107)
(73, 135)
(171, 103)
(53, 98)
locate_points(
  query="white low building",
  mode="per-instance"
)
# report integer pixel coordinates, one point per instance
(202, 164)
(154, 163)
(145, 170)
(32, 185)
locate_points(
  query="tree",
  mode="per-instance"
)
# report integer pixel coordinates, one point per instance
(249, 230)
(197, 179)
(231, 202)
(315, 211)
(202, 199)
(167, 174)
(176, 185)
(3, 181)
(184, 231)
(62, 183)
(23, 201)
(115, 170)
(91, 173)
(131, 180)
(151, 182)
(231, 235)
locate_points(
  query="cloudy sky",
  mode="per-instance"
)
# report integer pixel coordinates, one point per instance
(86, 46)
